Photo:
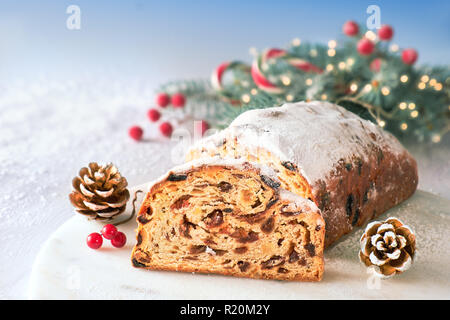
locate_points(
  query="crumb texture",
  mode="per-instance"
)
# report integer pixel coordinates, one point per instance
(231, 220)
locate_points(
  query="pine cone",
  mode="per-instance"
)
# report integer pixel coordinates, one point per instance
(388, 246)
(99, 192)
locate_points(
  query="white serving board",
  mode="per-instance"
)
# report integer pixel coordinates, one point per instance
(66, 268)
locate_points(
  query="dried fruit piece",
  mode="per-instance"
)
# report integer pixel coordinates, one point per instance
(233, 224)
(272, 262)
(214, 219)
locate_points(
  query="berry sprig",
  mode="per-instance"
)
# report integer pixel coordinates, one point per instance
(110, 232)
(385, 33)
(409, 56)
(367, 46)
(166, 129)
(136, 133)
(163, 100)
(153, 115)
(177, 100)
(350, 28)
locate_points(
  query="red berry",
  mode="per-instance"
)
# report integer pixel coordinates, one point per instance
(375, 65)
(109, 231)
(386, 32)
(166, 129)
(409, 56)
(94, 240)
(119, 240)
(153, 115)
(202, 126)
(365, 46)
(136, 133)
(162, 100)
(178, 100)
(350, 28)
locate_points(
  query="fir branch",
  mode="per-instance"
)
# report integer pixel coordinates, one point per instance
(379, 87)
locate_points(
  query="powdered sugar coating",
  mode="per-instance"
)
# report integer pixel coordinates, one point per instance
(297, 201)
(314, 135)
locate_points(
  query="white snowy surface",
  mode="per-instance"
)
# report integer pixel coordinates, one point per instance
(66, 270)
(50, 129)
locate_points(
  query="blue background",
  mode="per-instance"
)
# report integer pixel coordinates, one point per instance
(187, 39)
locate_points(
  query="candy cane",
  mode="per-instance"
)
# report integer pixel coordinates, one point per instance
(303, 65)
(261, 80)
(217, 75)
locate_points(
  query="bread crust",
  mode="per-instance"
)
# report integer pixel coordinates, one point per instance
(182, 268)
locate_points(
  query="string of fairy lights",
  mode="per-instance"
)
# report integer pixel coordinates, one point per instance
(350, 72)
(379, 114)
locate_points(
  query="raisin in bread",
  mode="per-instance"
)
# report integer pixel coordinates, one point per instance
(351, 168)
(230, 218)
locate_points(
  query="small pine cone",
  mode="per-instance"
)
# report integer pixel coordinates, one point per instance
(99, 192)
(388, 246)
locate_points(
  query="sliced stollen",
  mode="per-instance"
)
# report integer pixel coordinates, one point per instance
(229, 217)
(351, 168)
